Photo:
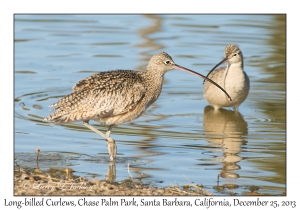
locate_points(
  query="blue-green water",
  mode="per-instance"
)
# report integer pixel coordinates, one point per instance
(179, 134)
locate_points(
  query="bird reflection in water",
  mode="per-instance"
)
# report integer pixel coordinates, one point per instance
(111, 172)
(226, 128)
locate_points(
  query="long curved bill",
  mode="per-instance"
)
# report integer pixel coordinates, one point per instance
(223, 61)
(203, 77)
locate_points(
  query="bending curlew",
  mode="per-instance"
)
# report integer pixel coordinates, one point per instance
(232, 78)
(115, 97)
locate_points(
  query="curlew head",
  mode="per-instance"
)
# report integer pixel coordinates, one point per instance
(233, 54)
(162, 62)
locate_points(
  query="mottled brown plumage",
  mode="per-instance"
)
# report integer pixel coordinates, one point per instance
(115, 97)
(107, 97)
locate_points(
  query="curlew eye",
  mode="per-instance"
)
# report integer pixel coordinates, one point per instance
(235, 54)
(167, 62)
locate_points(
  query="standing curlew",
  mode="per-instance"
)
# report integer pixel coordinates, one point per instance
(115, 97)
(232, 78)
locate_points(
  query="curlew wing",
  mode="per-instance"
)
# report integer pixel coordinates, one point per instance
(216, 75)
(102, 95)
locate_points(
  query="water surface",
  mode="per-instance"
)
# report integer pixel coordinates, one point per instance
(179, 134)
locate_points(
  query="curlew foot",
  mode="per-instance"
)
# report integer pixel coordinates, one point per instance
(112, 148)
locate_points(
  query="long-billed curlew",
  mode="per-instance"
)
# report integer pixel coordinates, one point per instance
(115, 97)
(232, 78)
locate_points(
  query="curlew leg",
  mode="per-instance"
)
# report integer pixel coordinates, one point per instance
(110, 143)
(236, 107)
(94, 129)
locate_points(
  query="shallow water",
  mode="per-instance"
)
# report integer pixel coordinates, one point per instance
(179, 135)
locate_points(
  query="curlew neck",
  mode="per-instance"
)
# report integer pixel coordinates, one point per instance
(233, 76)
